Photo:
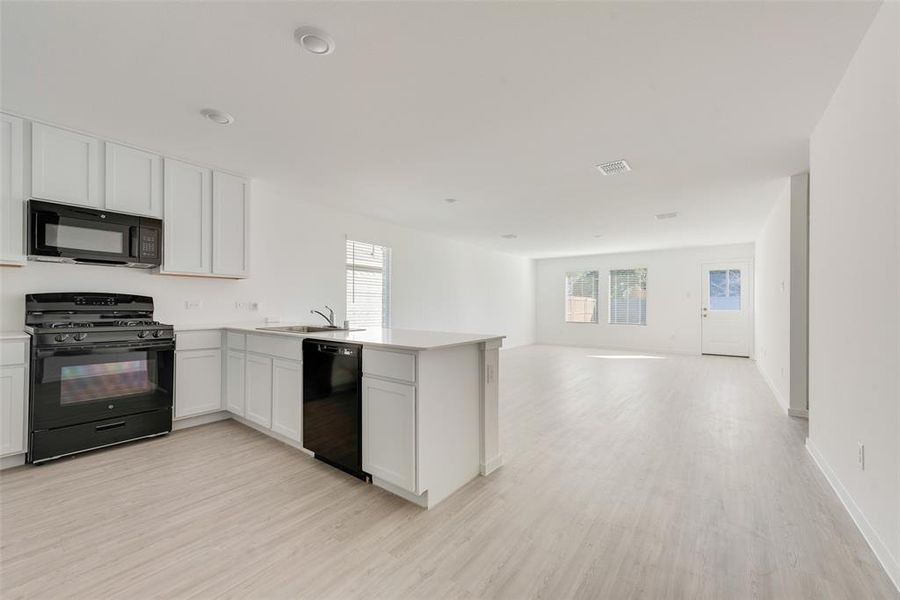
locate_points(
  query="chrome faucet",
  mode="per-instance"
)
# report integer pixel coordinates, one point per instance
(329, 317)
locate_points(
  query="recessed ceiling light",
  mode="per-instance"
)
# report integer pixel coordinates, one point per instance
(664, 216)
(217, 116)
(509, 236)
(614, 168)
(450, 200)
(314, 40)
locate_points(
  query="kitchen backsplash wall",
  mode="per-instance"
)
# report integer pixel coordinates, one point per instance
(297, 263)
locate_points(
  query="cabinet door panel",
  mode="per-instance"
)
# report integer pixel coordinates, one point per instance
(65, 166)
(198, 382)
(234, 382)
(230, 213)
(133, 181)
(287, 398)
(12, 410)
(389, 432)
(188, 206)
(258, 386)
(12, 194)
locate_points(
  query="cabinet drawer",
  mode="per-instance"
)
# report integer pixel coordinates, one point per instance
(273, 345)
(235, 341)
(198, 340)
(394, 365)
(12, 352)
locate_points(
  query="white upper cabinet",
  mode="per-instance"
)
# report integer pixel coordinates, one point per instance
(205, 213)
(231, 209)
(12, 193)
(133, 181)
(65, 166)
(188, 218)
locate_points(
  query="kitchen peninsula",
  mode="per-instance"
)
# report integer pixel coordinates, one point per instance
(429, 400)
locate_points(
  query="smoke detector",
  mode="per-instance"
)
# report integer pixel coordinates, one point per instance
(664, 216)
(614, 168)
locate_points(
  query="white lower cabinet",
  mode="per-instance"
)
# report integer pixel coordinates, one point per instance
(198, 382)
(258, 390)
(12, 409)
(235, 363)
(389, 431)
(287, 398)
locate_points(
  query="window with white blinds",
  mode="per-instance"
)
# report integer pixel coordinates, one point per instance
(581, 296)
(368, 285)
(628, 297)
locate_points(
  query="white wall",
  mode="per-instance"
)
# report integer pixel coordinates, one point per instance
(854, 349)
(673, 299)
(772, 325)
(297, 263)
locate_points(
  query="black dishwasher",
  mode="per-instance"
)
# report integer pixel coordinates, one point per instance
(332, 404)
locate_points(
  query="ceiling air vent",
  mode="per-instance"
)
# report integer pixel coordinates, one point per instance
(614, 168)
(664, 216)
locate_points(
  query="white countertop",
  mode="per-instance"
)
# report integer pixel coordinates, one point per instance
(406, 339)
(13, 335)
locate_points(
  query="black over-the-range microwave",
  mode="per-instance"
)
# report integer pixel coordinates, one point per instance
(61, 233)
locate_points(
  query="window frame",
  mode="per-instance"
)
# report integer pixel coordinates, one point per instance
(595, 320)
(385, 270)
(609, 297)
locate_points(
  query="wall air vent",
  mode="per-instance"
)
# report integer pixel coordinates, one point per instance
(664, 216)
(614, 168)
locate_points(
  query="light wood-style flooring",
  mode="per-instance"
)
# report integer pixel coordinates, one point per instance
(673, 477)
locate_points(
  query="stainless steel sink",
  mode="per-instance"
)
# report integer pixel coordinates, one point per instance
(301, 329)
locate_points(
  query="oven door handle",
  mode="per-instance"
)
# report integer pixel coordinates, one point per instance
(103, 349)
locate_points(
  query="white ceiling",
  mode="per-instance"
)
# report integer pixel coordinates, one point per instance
(505, 106)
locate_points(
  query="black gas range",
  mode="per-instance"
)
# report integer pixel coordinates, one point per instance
(102, 372)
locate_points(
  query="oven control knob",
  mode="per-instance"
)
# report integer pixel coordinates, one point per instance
(143, 334)
(80, 336)
(157, 333)
(61, 337)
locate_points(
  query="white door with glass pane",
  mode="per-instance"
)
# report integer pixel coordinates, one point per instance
(726, 308)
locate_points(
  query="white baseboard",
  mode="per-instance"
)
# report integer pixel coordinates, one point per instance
(785, 406)
(271, 434)
(800, 413)
(186, 422)
(8, 462)
(882, 553)
(491, 465)
(421, 501)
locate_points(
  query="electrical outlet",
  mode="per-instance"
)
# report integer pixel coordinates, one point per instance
(254, 306)
(861, 455)
(240, 305)
(192, 304)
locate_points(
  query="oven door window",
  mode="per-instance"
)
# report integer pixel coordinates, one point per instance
(105, 381)
(76, 387)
